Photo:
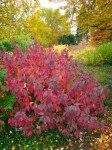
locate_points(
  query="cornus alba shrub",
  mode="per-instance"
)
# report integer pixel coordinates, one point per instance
(52, 93)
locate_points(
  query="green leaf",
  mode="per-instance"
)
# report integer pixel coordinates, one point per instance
(2, 75)
(7, 102)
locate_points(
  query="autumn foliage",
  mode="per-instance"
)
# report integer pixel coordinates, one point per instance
(52, 92)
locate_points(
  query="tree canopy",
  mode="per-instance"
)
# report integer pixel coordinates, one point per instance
(13, 17)
(58, 23)
(92, 15)
(28, 18)
(47, 25)
(39, 30)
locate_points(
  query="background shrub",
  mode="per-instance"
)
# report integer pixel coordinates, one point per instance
(1, 46)
(105, 51)
(23, 41)
(89, 56)
(7, 45)
(67, 39)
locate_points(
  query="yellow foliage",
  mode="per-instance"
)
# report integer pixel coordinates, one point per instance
(39, 30)
(13, 17)
(105, 141)
(60, 48)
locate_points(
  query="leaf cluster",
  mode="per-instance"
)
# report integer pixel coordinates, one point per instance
(52, 92)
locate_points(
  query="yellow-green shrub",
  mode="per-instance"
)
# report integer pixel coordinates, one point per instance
(90, 56)
(105, 51)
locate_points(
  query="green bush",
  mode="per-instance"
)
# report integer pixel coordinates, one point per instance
(7, 45)
(105, 51)
(90, 57)
(67, 39)
(6, 100)
(24, 41)
(1, 46)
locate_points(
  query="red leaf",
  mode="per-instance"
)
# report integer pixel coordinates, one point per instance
(38, 131)
(1, 122)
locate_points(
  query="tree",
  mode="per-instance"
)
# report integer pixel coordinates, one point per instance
(99, 11)
(92, 15)
(58, 23)
(39, 30)
(47, 25)
(100, 26)
(14, 14)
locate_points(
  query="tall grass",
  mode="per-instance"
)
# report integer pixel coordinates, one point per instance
(60, 48)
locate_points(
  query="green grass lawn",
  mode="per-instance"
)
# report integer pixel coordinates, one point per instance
(103, 73)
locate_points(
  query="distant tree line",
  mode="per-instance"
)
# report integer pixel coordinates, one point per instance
(73, 39)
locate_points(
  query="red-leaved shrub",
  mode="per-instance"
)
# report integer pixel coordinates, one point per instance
(52, 93)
